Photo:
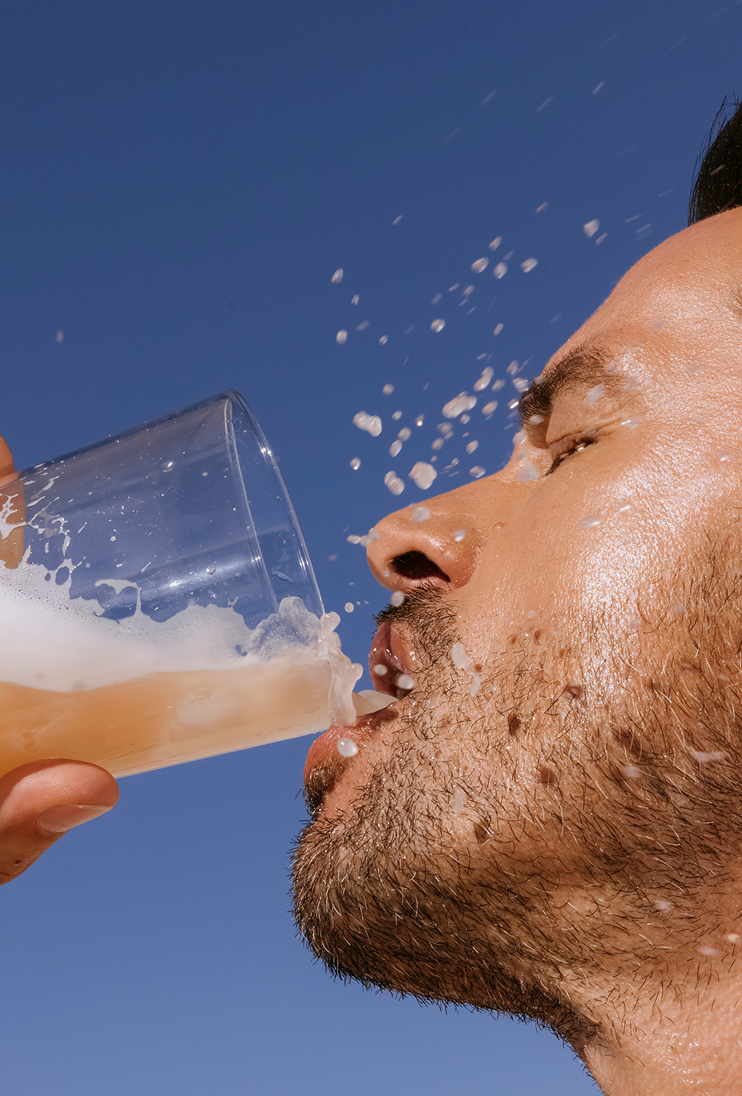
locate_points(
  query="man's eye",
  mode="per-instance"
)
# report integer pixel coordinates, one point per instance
(565, 447)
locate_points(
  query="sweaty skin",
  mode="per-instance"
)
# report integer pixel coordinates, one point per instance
(41, 801)
(554, 829)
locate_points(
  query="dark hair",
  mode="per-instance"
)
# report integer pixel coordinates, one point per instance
(718, 182)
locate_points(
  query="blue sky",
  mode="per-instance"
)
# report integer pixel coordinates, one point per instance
(179, 182)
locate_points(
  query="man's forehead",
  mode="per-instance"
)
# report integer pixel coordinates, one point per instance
(697, 269)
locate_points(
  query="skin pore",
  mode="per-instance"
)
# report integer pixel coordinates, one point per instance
(550, 823)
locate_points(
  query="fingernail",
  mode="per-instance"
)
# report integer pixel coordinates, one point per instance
(66, 817)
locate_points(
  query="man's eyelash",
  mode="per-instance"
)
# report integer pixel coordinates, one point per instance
(576, 444)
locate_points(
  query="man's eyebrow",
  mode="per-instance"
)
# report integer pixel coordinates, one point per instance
(583, 366)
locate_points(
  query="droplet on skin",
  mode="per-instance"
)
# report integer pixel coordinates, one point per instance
(732, 938)
(380, 669)
(663, 905)
(500, 270)
(704, 950)
(472, 446)
(480, 265)
(631, 772)
(591, 228)
(397, 598)
(355, 464)
(489, 408)
(476, 685)
(484, 380)
(528, 265)
(420, 513)
(459, 535)
(495, 243)
(527, 472)
(590, 521)
(703, 758)
(725, 455)
(341, 337)
(459, 798)
(395, 448)
(423, 474)
(632, 422)
(337, 276)
(404, 681)
(370, 423)
(437, 325)
(347, 747)
(459, 657)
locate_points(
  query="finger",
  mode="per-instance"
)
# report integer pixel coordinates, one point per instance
(41, 801)
(6, 459)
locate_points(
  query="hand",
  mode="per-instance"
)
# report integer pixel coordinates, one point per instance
(41, 801)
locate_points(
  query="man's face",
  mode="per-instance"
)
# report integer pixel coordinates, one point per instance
(538, 811)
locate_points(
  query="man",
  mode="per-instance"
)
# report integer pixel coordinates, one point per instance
(549, 821)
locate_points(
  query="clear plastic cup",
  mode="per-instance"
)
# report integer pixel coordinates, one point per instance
(157, 602)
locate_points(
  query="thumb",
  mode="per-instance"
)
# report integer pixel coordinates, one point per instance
(41, 801)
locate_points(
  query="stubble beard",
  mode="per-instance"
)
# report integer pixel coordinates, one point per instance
(522, 849)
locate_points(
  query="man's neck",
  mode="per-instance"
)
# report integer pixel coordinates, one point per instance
(680, 1039)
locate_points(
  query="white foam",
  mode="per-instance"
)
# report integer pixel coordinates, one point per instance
(51, 641)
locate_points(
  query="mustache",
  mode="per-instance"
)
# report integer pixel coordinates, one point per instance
(427, 615)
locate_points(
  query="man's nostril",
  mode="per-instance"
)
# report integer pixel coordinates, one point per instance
(416, 565)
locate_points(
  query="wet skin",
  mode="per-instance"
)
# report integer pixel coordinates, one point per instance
(630, 459)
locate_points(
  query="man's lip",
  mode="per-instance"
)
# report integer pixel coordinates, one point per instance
(326, 745)
(389, 658)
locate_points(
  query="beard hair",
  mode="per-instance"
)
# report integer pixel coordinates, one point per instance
(571, 828)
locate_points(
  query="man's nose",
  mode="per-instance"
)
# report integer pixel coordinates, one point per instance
(440, 550)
